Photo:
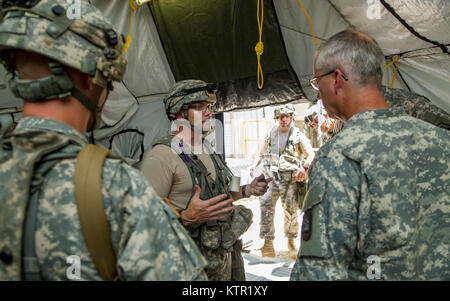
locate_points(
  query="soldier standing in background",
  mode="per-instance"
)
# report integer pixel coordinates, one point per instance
(417, 106)
(414, 105)
(329, 127)
(286, 156)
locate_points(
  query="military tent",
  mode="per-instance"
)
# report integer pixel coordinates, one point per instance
(217, 41)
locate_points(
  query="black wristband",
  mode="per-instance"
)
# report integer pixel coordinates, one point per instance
(179, 218)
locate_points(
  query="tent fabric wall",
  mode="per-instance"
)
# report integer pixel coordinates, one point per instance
(427, 74)
(148, 71)
(135, 106)
(214, 40)
(424, 68)
(296, 30)
(149, 121)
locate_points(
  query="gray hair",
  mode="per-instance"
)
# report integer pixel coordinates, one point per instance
(357, 54)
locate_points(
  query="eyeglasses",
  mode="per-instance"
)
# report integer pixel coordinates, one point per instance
(315, 84)
(201, 107)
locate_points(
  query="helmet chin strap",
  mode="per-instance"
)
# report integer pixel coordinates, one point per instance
(97, 118)
(56, 86)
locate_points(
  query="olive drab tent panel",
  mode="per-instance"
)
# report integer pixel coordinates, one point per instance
(413, 34)
(210, 40)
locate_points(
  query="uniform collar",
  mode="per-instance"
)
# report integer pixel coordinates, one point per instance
(45, 124)
(375, 114)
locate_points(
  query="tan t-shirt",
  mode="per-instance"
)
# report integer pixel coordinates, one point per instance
(169, 175)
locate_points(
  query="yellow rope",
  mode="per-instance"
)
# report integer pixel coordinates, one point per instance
(171, 207)
(396, 60)
(133, 6)
(393, 61)
(259, 48)
(310, 22)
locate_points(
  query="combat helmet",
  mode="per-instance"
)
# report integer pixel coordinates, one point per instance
(286, 109)
(86, 42)
(311, 113)
(185, 92)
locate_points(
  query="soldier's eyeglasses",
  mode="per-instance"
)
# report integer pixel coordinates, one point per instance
(315, 84)
(201, 107)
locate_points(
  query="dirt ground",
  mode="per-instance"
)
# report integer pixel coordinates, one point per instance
(256, 267)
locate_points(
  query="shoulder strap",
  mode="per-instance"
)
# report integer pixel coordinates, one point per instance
(289, 136)
(16, 174)
(91, 212)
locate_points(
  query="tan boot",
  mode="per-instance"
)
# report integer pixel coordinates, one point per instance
(267, 250)
(293, 252)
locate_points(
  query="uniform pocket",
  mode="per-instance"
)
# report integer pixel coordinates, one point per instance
(313, 242)
(228, 238)
(210, 237)
(242, 219)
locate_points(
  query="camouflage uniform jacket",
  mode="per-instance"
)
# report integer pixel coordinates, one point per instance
(417, 106)
(380, 187)
(291, 158)
(148, 241)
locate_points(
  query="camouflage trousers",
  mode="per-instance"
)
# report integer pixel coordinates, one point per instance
(283, 187)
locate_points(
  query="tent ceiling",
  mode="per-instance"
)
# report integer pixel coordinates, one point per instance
(149, 73)
(430, 19)
(423, 66)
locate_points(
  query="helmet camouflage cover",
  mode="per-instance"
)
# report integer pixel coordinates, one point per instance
(311, 113)
(286, 109)
(188, 91)
(86, 42)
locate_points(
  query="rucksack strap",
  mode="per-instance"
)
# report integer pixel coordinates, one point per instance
(289, 136)
(91, 212)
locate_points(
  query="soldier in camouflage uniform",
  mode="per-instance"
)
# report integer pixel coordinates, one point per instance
(378, 203)
(286, 156)
(41, 47)
(197, 183)
(329, 127)
(414, 105)
(417, 106)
